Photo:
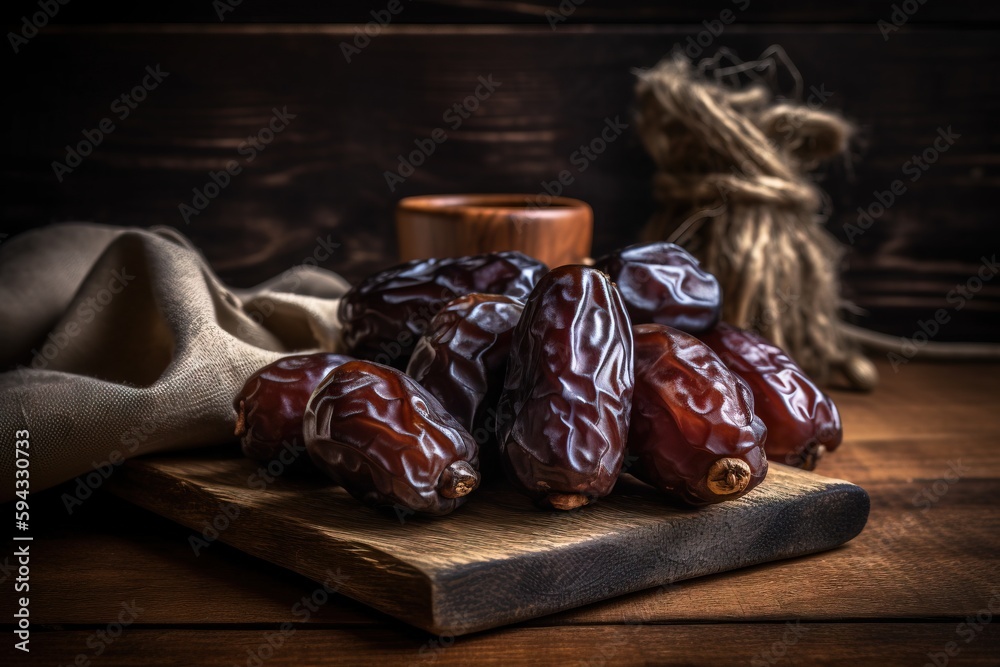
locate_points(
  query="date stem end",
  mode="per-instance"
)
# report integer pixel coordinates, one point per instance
(458, 479)
(241, 421)
(566, 501)
(728, 476)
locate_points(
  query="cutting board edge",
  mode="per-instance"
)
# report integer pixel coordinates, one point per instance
(195, 506)
(196, 516)
(853, 502)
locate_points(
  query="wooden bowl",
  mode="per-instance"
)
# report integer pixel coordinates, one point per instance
(558, 233)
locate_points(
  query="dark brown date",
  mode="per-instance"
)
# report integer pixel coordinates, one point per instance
(661, 283)
(462, 360)
(377, 433)
(385, 314)
(802, 422)
(565, 404)
(693, 434)
(270, 406)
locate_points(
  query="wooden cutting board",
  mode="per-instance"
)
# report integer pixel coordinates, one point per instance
(497, 559)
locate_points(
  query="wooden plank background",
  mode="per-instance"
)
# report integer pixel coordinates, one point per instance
(324, 175)
(600, 12)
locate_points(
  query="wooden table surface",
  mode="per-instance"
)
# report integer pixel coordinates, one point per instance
(920, 581)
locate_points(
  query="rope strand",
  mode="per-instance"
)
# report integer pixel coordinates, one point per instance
(733, 187)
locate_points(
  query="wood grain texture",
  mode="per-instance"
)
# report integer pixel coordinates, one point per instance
(557, 233)
(497, 560)
(926, 400)
(723, 645)
(325, 175)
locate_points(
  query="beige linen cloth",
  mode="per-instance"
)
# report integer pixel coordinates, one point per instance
(119, 341)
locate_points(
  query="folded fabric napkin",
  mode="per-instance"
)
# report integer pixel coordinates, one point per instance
(120, 341)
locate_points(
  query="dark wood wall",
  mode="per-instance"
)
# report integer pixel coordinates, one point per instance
(323, 176)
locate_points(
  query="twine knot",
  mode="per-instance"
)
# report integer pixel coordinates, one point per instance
(732, 181)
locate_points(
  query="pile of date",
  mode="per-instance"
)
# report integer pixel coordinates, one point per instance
(494, 366)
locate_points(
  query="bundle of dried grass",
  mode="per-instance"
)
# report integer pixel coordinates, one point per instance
(734, 190)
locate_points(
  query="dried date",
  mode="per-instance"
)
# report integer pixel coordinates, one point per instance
(802, 422)
(377, 433)
(385, 314)
(567, 394)
(462, 359)
(662, 283)
(270, 406)
(693, 432)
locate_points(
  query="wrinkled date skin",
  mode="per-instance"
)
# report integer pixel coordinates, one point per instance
(802, 422)
(377, 433)
(385, 314)
(567, 394)
(693, 432)
(462, 360)
(662, 283)
(270, 406)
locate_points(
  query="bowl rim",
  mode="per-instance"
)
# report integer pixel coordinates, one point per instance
(511, 202)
